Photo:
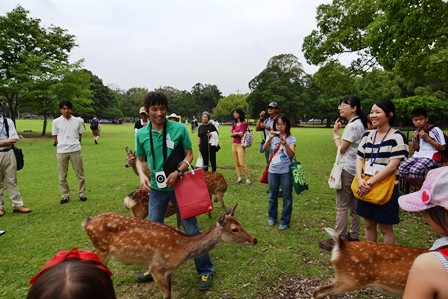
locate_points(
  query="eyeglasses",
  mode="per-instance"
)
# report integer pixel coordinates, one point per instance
(343, 105)
(280, 125)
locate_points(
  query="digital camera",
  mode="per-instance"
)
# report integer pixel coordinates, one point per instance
(276, 133)
(161, 179)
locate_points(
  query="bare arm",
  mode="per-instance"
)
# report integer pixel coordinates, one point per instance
(145, 182)
(55, 139)
(8, 142)
(426, 279)
(431, 141)
(260, 124)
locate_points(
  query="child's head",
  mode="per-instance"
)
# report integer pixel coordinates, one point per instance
(419, 117)
(432, 198)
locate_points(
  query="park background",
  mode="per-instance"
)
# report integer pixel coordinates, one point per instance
(284, 264)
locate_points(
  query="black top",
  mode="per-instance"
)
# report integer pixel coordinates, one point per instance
(203, 130)
(138, 124)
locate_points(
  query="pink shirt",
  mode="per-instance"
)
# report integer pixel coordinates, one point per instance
(238, 128)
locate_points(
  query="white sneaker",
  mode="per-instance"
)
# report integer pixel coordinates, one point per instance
(248, 182)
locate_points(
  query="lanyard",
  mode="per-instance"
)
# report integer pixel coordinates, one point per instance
(372, 160)
(152, 144)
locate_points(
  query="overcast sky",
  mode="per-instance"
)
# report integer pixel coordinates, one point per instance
(148, 43)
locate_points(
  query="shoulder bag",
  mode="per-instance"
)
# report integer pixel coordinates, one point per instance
(335, 180)
(17, 151)
(381, 191)
(264, 176)
(246, 140)
(297, 175)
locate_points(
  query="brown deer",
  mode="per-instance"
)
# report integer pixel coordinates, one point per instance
(160, 247)
(137, 202)
(131, 159)
(359, 265)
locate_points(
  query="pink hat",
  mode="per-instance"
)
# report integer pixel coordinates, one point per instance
(434, 192)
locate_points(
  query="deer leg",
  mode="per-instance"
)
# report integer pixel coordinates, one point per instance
(220, 197)
(163, 282)
(335, 288)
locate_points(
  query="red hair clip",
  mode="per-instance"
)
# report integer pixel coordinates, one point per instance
(74, 254)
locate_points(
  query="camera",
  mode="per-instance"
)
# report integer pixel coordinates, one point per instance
(161, 179)
(276, 133)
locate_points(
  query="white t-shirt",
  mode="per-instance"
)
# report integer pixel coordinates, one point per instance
(68, 131)
(426, 149)
(353, 133)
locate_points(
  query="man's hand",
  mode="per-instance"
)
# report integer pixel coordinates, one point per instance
(145, 183)
(172, 178)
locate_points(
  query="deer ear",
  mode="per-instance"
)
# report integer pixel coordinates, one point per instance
(221, 220)
(127, 150)
(232, 210)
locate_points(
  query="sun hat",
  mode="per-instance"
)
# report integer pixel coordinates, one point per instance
(434, 192)
(273, 105)
(173, 115)
(143, 110)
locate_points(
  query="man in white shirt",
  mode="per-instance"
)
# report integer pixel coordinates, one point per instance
(8, 166)
(67, 131)
(427, 142)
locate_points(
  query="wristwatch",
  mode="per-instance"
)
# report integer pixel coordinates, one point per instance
(179, 172)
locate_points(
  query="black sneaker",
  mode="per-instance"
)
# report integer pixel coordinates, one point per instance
(64, 200)
(205, 281)
(83, 198)
(96, 142)
(327, 244)
(145, 277)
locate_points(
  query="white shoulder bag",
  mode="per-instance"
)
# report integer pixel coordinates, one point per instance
(335, 180)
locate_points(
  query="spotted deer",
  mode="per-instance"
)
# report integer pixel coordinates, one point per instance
(160, 247)
(137, 202)
(131, 162)
(359, 265)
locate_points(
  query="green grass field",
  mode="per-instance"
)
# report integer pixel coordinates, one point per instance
(241, 272)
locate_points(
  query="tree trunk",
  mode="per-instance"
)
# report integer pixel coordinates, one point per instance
(44, 127)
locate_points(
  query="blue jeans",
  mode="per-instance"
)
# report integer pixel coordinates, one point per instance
(158, 204)
(275, 181)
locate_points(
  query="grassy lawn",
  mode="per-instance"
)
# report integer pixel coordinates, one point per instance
(241, 272)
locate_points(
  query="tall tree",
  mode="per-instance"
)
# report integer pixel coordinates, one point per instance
(205, 97)
(406, 36)
(28, 52)
(223, 110)
(282, 81)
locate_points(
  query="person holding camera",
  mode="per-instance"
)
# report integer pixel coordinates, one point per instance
(282, 145)
(266, 125)
(157, 141)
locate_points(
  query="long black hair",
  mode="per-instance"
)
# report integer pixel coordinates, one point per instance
(240, 112)
(355, 102)
(388, 107)
(286, 121)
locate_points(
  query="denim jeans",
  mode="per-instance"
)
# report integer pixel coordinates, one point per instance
(275, 181)
(158, 204)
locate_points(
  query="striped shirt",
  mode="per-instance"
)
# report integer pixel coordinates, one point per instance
(438, 244)
(380, 152)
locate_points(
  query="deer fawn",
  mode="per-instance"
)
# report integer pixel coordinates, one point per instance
(131, 162)
(137, 202)
(160, 247)
(359, 265)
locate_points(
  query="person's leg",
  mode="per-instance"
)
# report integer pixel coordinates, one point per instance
(237, 163)
(63, 169)
(213, 159)
(371, 234)
(10, 180)
(78, 167)
(204, 265)
(274, 184)
(158, 204)
(2, 178)
(405, 167)
(417, 170)
(205, 158)
(241, 157)
(343, 200)
(285, 182)
(387, 230)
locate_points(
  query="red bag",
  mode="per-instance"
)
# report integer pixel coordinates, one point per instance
(264, 176)
(192, 194)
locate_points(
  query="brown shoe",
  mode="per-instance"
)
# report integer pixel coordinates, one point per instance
(22, 209)
(2, 212)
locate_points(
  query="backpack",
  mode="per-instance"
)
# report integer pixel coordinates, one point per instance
(440, 156)
(17, 151)
(94, 124)
(246, 140)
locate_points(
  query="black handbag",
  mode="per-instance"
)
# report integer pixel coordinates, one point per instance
(17, 151)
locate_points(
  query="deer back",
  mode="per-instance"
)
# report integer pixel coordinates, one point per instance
(216, 183)
(358, 265)
(137, 202)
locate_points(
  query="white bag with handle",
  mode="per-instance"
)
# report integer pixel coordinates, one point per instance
(200, 161)
(335, 180)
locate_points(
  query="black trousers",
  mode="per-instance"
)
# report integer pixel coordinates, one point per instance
(207, 159)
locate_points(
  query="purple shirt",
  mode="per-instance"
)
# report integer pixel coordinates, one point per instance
(241, 128)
